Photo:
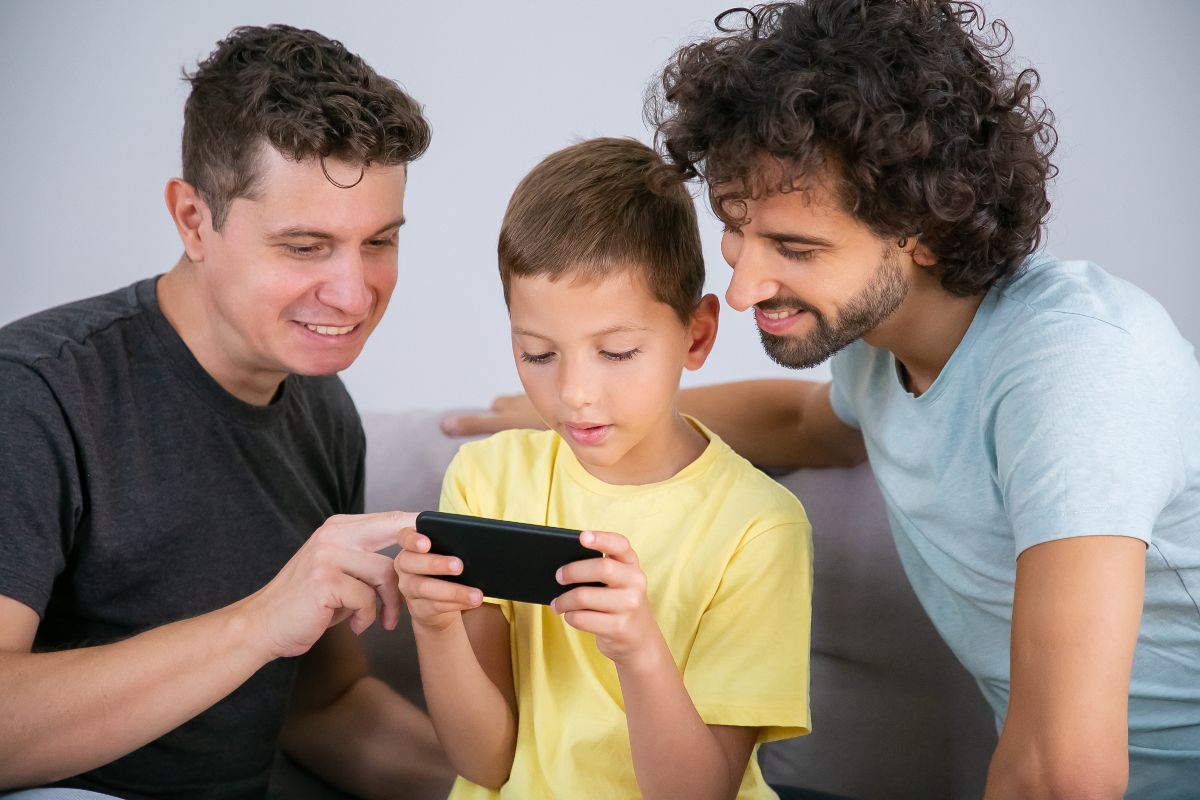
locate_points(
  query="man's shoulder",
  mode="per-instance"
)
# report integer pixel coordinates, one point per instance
(44, 334)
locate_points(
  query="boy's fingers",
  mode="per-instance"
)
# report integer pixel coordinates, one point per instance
(414, 542)
(433, 590)
(613, 545)
(609, 571)
(415, 563)
(594, 598)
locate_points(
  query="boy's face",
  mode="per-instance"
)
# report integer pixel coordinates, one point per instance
(817, 277)
(299, 276)
(601, 362)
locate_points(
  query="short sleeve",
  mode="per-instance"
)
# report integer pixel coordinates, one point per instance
(838, 398)
(456, 485)
(750, 663)
(41, 499)
(1084, 440)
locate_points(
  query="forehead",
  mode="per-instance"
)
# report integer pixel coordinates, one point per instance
(303, 194)
(577, 304)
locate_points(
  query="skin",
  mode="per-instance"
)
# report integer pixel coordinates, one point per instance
(300, 251)
(1077, 601)
(578, 347)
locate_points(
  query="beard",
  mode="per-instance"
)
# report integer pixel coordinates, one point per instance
(874, 304)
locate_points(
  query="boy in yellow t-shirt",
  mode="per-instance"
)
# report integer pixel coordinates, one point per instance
(662, 681)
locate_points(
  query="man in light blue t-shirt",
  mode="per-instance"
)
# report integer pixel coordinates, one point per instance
(1034, 424)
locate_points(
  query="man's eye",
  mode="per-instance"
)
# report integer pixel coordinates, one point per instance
(302, 249)
(536, 358)
(623, 356)
(796, 255)
(382, 243)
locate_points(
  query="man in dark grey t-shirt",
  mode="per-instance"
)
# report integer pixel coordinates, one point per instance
(171, 447)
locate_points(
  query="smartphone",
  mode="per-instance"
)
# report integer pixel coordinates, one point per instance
(509, 560)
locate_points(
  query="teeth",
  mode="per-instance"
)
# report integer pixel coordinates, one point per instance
(779, 314)
(329, 330)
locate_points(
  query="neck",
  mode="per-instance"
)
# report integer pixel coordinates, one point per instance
(184, 303)
(659, 456)
(925, 331)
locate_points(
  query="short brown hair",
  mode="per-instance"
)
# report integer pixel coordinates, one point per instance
(598, 207)
(301, 93)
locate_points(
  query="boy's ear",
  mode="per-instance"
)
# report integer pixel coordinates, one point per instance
(188, 211)
(703, 331)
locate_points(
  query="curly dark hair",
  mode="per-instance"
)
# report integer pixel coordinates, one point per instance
(906, 104)
(303, 94)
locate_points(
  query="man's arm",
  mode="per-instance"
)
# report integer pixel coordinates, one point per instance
(773, 423)
(66, 712)
(356, 732)
(1076, 610)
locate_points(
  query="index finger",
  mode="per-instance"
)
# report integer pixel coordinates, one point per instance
(373, 532)
(613, 545)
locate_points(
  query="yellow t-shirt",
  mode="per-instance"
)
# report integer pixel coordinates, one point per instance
(727, 554)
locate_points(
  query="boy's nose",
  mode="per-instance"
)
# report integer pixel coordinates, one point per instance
(575, 389)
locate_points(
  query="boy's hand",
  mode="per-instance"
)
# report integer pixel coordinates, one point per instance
(618, 612)
(432, 603)
(508, 411)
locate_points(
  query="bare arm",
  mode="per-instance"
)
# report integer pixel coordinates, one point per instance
(466, 667)
(1076, 611)
(67, 712)
(675, 753)
(356, 732)
(773, 423)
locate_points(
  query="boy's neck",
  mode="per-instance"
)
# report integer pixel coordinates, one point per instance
(661, 455)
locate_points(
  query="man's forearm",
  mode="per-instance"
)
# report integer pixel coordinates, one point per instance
(373, 743)
(66, 712)
(764, 421)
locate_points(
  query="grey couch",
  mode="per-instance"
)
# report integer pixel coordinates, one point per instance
(895, 715)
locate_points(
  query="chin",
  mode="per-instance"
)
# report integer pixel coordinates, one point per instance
(322, 366)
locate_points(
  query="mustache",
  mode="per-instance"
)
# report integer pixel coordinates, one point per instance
(780, 302)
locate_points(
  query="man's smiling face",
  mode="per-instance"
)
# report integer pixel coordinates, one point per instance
(816, 277)
(298, 276)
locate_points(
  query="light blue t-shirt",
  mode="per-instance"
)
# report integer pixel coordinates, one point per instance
(1071, 407)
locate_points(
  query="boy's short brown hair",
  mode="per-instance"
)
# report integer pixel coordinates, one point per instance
(600, 207)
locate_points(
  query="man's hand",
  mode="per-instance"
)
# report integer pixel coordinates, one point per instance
(618, 612)
(433, 603)
(338, 573)
(508, 411)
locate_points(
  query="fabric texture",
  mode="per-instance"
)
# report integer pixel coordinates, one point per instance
(1068, 409)
(138, 492)
(728, 560)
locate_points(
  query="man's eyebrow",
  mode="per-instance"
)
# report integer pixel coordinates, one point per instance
(298, 232)
(796, 238)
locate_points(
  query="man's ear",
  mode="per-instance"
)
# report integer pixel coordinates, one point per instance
(190, 214)
(922, 256)
(703, 331)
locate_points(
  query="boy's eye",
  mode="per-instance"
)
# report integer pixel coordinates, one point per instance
(625, 356)
(536, 358)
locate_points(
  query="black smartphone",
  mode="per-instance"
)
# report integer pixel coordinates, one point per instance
(509, 560)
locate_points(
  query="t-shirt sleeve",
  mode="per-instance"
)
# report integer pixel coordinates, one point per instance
(1084, 441)
(456, 494)
(750, 662)
(41, 498)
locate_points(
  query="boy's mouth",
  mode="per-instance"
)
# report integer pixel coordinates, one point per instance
(587, 433)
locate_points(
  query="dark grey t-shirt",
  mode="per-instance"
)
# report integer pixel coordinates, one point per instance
(137, 492)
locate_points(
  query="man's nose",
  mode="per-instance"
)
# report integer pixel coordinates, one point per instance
(345, 286)
(751, 281)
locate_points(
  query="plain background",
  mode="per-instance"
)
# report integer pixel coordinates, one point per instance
(91, 109)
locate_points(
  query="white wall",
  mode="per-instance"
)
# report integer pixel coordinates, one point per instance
(91, 109)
